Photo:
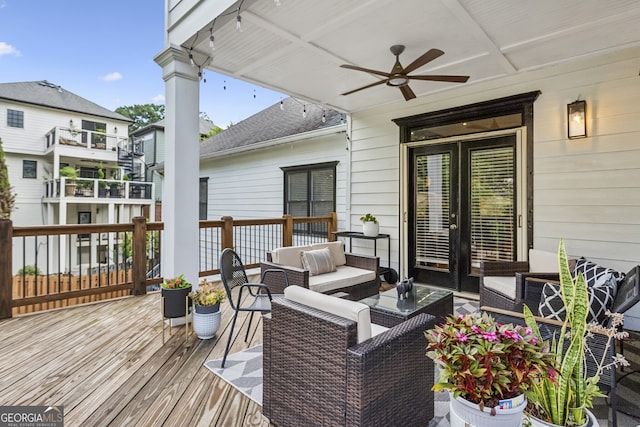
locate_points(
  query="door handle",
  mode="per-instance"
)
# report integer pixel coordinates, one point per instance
(453, 226)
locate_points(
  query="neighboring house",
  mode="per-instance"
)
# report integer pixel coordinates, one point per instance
(277, 162)
(45, 128)
(151, 137)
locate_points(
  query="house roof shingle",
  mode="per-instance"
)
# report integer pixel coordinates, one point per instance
(204, 127)
(46, 94)
(272, 123)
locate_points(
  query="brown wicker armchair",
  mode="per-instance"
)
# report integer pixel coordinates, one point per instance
(502, 282)
(315, 372)
(300, 277)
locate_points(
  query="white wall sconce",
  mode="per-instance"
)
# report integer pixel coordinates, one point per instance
(576, 119)
(115, 129)
(71, 123)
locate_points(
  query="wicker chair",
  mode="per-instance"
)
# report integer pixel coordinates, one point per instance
(315, 372)
(300, 277)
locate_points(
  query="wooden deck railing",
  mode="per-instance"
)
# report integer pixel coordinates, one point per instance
(47, 267)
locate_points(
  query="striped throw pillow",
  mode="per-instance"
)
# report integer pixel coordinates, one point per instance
(318, 261)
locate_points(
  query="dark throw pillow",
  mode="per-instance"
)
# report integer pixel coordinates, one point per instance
(552, 307)
(596, 275)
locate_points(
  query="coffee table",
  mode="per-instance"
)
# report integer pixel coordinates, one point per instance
(387, 310)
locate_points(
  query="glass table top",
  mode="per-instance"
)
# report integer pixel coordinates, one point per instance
(420, 297)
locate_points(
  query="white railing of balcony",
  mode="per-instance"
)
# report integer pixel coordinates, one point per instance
(100, 188)
(73, 137)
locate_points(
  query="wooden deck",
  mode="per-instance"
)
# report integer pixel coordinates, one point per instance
(106, 364)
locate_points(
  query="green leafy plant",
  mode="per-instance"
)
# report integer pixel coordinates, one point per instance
(30, 270)
(368, 218)
(175, 283)
(69, 172)
(562, 399)
(208, 294)
(483, 361)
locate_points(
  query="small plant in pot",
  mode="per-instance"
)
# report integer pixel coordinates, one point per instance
(206, 300)
(564, 400)
(486, 366)
(175, 294)
(370, 226)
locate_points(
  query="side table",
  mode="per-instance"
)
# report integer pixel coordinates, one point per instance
(389, 274)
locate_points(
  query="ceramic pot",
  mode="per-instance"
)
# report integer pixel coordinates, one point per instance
(206, 325)
(370, 228)
(467, 414)
(532, 421)
(175, 302)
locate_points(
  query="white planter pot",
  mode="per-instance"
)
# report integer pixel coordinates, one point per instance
(370, 229)
(206, 325)
(592, 421)
(467, 414)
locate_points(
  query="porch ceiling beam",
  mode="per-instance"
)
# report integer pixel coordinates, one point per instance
(478, 32)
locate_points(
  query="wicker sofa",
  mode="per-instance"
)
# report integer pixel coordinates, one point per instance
(355, 277)
(316, 372)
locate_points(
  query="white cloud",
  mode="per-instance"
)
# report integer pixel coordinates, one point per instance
(158, 99)
(112, 77)
(3, 4)
(7, 49)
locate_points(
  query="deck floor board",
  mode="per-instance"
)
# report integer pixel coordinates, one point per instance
(106, 364)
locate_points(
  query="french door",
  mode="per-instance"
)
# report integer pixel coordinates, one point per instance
(462, 209)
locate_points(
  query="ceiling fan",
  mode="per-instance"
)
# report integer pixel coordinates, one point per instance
(399, 77)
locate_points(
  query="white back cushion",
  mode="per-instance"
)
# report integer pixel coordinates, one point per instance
(543, 261)
(337, 251)
(352, 310)
(289, 255)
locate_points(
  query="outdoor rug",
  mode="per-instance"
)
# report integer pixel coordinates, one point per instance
(243, 370)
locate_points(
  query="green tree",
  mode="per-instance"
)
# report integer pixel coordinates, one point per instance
(214, 130)
(141, 114)
(7, 197)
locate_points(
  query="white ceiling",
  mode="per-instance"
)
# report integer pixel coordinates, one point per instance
(297, 48)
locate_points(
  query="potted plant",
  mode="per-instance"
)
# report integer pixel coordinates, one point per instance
(206, 301)
(486, 366)
(71, 175)
(370, 226)
(565, 399)
(175, 297)
(102, 185)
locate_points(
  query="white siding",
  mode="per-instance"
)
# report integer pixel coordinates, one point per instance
(586, 191)
(250, 184)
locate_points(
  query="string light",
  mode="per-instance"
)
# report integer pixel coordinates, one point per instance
(211, 39)
(304, 111)
(254, 94)
(193, 63)
(281, 104)
(324, 116)
(239, 22)
(224, 87)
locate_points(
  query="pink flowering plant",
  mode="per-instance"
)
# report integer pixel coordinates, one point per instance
(483, 361)
(175, 283)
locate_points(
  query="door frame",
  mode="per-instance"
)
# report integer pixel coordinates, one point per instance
(522, 210)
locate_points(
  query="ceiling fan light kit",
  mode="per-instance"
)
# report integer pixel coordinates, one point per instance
(399, 77)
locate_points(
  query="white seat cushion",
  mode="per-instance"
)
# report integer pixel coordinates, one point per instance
(501, 284)
(351, 310)
(344, 276)
(543, 261)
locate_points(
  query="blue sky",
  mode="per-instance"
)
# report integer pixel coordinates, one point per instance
(104, 52)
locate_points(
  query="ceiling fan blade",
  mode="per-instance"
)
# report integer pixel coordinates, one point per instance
(407, 92)
(366, 70)
(425, 58)
(442, 78)
(364, 87)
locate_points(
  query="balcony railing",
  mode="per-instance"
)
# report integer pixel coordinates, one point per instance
(69, 137)
(98, 188)
(45, 267)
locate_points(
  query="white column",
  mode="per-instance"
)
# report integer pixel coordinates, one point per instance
(182, 165)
